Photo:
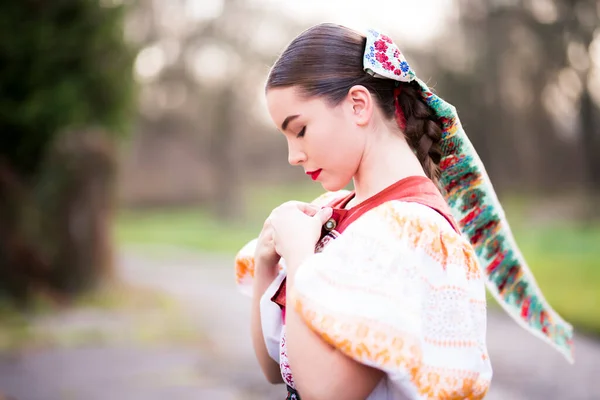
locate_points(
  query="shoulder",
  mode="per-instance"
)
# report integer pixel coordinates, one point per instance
(414, 229)
(415, 215)
(328, 197)
(403, 218)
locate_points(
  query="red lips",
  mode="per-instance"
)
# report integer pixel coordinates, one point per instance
(314, 174)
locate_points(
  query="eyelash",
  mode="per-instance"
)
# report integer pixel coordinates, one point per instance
(302, 132)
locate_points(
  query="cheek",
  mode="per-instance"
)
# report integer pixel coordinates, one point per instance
(344, 154)
(339, 145)
(349, 144)
(349, 156)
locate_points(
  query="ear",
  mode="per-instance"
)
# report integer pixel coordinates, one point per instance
(361, 104)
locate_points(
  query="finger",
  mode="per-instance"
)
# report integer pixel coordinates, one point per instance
(307, 208)
(324, 214)
(267, 223)
(291, 203)
(299, 204)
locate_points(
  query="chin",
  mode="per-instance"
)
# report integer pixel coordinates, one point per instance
(334, 185)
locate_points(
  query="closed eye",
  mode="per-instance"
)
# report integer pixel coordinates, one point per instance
(302, 132)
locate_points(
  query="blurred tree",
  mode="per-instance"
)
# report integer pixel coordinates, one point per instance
(65, 95)
(202, 75)
(529, 62)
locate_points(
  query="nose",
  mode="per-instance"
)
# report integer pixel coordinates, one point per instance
(295, 155)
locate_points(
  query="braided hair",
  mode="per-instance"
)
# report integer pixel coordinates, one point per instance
(422, 129)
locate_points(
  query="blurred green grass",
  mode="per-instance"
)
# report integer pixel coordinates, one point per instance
(198, 229)
(564, 256)
(565, 260)
(114, 313)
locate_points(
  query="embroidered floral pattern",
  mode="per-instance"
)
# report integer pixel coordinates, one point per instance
(244, 266)
(384, 59)
(326, 239)
(441, 245)
(390, 349)
(405, 254)
(292, 394)
(284, 365)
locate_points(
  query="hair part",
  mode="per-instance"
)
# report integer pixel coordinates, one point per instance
(326, 60)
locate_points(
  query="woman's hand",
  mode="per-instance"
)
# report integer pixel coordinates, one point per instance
(297, 230)
(266, 256)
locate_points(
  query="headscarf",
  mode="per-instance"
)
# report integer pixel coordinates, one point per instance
(475, 206)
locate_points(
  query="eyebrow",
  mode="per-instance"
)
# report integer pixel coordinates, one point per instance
(286, 121)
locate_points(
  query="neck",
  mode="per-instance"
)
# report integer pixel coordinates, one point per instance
(386, 160)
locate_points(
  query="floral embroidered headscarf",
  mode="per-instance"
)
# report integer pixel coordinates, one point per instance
(474, 204)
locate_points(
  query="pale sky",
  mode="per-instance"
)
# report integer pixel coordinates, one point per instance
(416, 23)
(410, 22)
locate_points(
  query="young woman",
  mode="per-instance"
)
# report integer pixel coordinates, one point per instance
(379, 293)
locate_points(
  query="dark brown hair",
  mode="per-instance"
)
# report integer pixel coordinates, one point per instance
(327, 60)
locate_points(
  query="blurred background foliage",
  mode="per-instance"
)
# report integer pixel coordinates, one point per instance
(141, 125)
(66, 94)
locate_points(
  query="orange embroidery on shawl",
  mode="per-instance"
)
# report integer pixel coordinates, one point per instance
(244, 266)
(444, 246)
(386, 347)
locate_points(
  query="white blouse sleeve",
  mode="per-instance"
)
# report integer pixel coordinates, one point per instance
(402, 292)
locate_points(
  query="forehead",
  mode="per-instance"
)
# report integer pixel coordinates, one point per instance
(286, 94)
(283, 102)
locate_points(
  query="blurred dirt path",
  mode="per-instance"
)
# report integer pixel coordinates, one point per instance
(224, 368)
(524, 367)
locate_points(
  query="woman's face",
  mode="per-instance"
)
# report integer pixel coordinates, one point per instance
(327, 142)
